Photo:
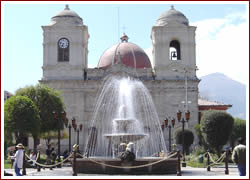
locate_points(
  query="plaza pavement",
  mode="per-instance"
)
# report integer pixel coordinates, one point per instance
(187, 171)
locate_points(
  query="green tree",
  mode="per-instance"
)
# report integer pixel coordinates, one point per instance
(216, 128)
(188, 138)
(21, 117)
(47, 100)
(200, 137)
(8, 141)
(48, 136)
(239, 130)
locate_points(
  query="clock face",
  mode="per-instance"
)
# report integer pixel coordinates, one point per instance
(63, 43)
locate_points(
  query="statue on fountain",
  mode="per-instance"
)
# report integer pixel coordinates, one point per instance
(128, 155)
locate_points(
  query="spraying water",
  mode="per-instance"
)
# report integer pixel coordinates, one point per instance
(124, 113)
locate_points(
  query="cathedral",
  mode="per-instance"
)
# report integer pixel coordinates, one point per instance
(170, 78)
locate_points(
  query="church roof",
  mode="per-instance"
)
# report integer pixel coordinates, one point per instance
(126, 53)
(172, 16)
(205, 104)
(69, 15)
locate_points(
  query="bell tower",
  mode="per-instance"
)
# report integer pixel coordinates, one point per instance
(65, 47)
(173, 46)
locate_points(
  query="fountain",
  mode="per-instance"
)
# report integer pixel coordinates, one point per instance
(124, 113)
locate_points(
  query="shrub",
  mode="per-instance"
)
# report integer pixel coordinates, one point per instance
(201, 142)
(239, 130)
(188, 138)
(216, 128)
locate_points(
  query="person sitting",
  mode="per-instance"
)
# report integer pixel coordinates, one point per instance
(65, 154)
(53, 155)
(48, 153)
(32, 159)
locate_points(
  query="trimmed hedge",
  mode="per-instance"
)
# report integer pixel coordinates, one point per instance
(216, 128)
(188, 138)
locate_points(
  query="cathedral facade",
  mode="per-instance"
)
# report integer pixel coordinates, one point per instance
(170, 78)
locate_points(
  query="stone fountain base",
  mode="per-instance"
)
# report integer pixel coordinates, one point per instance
(168, 166)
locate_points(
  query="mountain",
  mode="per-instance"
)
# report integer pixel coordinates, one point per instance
(219, 87)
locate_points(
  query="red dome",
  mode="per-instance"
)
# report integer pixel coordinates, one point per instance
(129, 54)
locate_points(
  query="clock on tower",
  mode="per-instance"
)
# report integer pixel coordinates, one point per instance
(63, 50)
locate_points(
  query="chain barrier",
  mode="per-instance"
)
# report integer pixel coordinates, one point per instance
(49, 165)
(131, 167)
(218, 161)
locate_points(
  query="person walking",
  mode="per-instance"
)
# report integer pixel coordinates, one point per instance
(239, 156)
(18, 157)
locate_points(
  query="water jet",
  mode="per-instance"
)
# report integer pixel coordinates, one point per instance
(124, 113)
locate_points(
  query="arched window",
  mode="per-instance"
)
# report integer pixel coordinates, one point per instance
(63, 50)
(174, 50)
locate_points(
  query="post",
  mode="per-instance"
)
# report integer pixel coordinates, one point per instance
(178, 163)
(24, 163)
(186, 89)
(59, 150)
(183, 149)
(38, 160)
(169, 140)
(69, 138)
(208, 161)
(78, 136)
(75, 150)
(226, 162)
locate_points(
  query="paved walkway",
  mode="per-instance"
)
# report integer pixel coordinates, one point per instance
(187, 171)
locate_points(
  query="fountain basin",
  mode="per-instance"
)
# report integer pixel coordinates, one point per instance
(125, 121)
(96, 165)
(125, 137)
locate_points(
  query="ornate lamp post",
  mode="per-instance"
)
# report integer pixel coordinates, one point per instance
(183, 121)
(165, 125)
(59, 132)
(69, 126)
(77, 129)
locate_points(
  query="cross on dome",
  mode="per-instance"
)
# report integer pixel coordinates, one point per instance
(124, 38)
(66, 7)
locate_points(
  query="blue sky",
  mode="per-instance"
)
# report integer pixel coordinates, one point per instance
(222, 36)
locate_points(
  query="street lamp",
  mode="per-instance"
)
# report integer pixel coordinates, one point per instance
(165, 125)
(77, 129)
(69, 126)
(183, 121)
(59, 132)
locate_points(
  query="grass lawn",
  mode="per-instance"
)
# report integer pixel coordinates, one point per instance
(196, 164)
(7, 164)
(194, 161)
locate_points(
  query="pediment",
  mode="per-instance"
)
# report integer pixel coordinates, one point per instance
(120, 69)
